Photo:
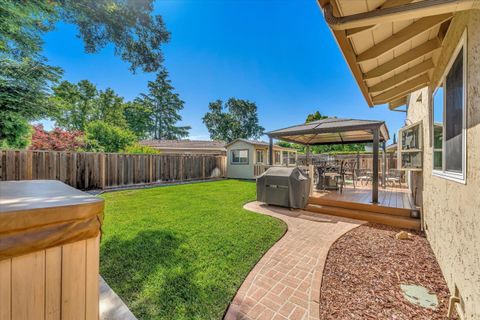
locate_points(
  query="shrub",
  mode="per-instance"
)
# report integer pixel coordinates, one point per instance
(139, 149)
(57, 139)
(107, 137)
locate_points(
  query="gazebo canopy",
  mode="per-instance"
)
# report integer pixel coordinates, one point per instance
(337, 131)
(332, 131)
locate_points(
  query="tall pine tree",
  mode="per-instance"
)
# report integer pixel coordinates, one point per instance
(165, 105)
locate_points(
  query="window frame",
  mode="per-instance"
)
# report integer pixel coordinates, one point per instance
(275, 152)
(239, 163)
(256, 156)
(449, 175)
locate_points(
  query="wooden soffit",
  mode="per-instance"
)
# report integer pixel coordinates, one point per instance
(392, 58)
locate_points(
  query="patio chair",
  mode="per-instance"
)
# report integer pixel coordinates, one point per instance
(325, 180)
(320, 181)
(394, 177)
(348, 171)
(364, 175)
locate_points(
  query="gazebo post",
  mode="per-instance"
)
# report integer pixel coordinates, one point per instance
(384, 164)
(308, 153)
(270, 151)
(376, 142)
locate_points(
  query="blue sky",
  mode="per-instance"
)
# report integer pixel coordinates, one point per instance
(279, 54)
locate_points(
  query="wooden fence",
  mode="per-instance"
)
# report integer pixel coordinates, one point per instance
(89, 170)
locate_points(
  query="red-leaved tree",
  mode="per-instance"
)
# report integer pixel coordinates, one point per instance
(57, 139)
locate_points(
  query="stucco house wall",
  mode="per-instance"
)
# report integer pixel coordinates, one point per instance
(451, 210)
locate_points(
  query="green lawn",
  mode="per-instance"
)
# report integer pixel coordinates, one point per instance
(181, 252)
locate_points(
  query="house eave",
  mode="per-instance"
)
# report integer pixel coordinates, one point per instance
(363, 52)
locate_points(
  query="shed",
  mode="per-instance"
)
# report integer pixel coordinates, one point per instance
(246, 159)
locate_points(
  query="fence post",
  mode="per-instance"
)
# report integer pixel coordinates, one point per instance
(102, 170)
(150, 167)
(181, 167)
(29, 164)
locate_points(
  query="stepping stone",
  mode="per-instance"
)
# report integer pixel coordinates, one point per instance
(419, 296)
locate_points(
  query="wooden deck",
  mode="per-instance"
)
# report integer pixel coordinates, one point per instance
(395, 207)
(388, 197)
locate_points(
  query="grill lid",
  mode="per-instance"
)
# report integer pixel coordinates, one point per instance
(287, 172)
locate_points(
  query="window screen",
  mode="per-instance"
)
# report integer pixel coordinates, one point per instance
(454, 115)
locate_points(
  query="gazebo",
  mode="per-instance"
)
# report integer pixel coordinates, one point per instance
(337, 131)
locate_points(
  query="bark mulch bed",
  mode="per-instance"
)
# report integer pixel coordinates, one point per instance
(365, 268)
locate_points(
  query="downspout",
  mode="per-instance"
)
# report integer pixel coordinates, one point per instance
(413, 10)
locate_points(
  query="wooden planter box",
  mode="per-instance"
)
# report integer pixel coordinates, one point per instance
(49, 251)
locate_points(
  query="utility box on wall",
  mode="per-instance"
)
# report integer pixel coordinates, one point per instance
(410, 147)
(49, 251)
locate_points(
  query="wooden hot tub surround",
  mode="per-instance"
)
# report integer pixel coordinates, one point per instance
(49, 251)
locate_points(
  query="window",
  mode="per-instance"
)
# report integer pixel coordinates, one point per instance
(449, 119)
(239, 156)
(277, 157)
(285, 157)
(260, 156)
(438, 128)
(291, 158)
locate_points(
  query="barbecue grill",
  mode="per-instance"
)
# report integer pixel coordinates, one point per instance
(283, 186)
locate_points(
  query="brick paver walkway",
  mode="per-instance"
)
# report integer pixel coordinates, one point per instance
(285, 284)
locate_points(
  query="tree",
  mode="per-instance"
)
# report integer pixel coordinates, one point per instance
(22, 24)
(23, 97)
(164, 105)
(110, 108)
(235, 119)
(24, 86)
(136, 34)
(139, 118)
(75, 104)
(78, 104)
(15, 132)
(352, 147)
(315, 116)
(284, 144)
(108, 138)
(25, 76)
(57, 139)
(128, 25)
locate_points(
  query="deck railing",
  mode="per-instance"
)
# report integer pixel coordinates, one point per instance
(259, 168)
(362, 161)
